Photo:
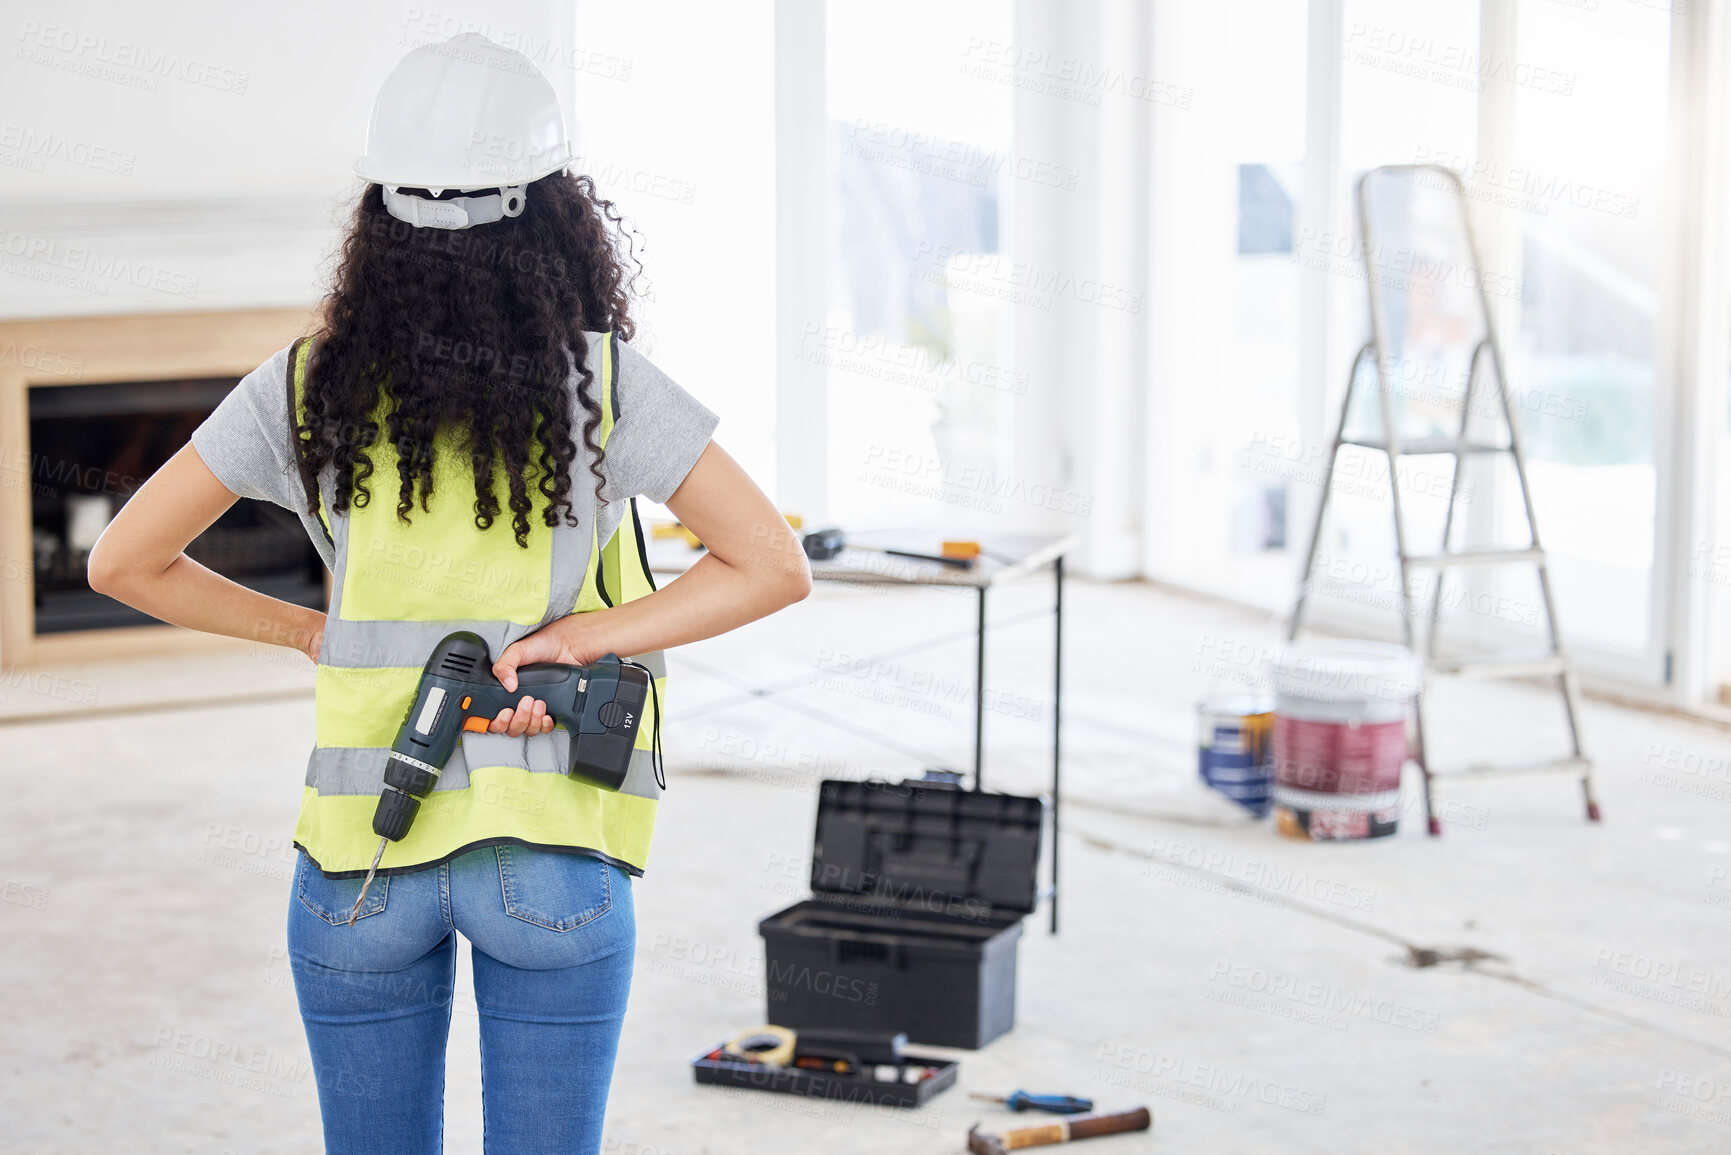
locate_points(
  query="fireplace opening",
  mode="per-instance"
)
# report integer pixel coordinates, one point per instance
(91, 448)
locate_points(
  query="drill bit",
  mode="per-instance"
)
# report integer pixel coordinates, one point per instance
(365, 886)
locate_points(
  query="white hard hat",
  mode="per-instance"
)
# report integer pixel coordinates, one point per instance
(463, 114)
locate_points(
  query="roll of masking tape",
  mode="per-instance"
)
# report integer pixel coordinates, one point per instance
(767, 1044)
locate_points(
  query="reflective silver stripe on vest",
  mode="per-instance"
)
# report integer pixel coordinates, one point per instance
(361, 769)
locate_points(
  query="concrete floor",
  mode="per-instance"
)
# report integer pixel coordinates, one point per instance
(1253, 991)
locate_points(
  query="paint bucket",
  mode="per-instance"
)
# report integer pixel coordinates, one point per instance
(1340, 738)
(1232, 748)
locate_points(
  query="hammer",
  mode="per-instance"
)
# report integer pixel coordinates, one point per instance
(1058, 1131)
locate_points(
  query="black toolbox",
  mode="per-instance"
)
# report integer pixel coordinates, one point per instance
(918, 894)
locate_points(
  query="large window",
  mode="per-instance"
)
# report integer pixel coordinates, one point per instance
(1229, 181)
(1556, 118)
(1586, 186)
(1559, 116)
(917, 343)
(1408, 96)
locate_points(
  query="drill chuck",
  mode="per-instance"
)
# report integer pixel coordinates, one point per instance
(396, 812)
(407, 781)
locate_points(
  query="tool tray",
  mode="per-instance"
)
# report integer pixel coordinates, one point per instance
(860, 1086)
(918, 894)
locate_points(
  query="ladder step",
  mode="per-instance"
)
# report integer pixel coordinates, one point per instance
(1428, 446)
(1501, 667)
(1478, 557)
(1575, 765)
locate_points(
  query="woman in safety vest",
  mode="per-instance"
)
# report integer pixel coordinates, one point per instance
(463, 437)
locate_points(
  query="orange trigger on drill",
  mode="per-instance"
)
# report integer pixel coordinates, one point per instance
(478, 724)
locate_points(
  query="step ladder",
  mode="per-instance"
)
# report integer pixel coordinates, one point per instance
(1549, 663)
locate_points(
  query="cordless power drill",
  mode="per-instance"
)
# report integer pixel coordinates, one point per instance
(600, 705)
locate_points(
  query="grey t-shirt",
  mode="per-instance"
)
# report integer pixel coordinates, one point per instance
(248, 441)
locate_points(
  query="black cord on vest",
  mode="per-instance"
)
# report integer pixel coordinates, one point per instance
(655, 757)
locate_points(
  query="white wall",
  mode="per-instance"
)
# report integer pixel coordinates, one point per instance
(197, 155)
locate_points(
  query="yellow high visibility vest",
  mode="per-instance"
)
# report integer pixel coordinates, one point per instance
(397, 591)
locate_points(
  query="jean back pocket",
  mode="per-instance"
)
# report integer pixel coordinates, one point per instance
(558, 891)
(333, 898)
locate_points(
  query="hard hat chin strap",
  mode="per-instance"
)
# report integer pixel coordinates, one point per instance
(457, 213)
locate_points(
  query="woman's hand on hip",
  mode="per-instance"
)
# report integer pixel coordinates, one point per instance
(310, 639)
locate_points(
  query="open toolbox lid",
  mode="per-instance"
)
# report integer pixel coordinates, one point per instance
(926, 844)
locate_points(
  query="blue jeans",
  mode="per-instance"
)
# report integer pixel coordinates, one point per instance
(552, 938)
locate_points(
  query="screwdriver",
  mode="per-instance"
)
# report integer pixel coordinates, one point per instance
(1051, 1104)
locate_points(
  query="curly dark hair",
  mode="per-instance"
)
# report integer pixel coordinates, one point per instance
(462, 341)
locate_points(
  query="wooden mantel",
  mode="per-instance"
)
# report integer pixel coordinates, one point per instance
(74, 351)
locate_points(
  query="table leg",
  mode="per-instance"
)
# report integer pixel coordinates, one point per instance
(1057, 715)
(980, 694)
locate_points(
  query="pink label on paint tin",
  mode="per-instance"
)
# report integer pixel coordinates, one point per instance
(1338, 757)
(1339, 824)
